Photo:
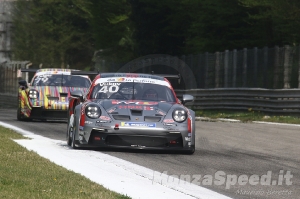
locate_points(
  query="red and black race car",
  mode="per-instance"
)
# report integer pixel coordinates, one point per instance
(128, 110)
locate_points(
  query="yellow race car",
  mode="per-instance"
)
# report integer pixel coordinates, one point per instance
(47, 95)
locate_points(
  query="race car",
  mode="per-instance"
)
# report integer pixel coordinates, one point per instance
(47, 95)
(131, 110)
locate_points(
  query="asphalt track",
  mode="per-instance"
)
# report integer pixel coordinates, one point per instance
(241, 153)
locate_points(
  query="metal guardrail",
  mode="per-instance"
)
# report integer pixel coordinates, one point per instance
(8, 101)
(264, 100)
(281, 101)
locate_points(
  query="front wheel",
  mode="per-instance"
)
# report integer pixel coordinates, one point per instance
(70, 130)
(19, 115)
(73, 141)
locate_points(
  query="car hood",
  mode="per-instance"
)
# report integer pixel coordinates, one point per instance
(135, 107)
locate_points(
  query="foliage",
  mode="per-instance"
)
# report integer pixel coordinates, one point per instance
(112, 30)
(161, 26)
(224, 25)
(52, 32)
(77, 32)
(283, 14)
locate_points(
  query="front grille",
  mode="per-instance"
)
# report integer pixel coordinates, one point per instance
(152, 119)
(52, 98)
(121, 117)
(136, 112)
(63, 94)
(127, 140)
(39, 113)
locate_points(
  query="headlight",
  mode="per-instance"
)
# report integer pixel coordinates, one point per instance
(93, 111)
(33, 94)
(179, 115)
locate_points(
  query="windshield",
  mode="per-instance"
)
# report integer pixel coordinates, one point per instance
(132, 91)
(60, 80)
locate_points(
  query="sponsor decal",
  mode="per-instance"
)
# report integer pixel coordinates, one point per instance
(134, 78)
(88, 122)
(109, 84)
(59, 102)
(101, 121)
(133, 102)
(102, 125)
(121, 79)
(132, 75)
(138, 124)
(168, 121)
(160, 112)
(148, 108)
(104, 118)
(130, 107)
(111, 110)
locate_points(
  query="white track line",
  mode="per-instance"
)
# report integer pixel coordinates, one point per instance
(113, 173)
(275, 123)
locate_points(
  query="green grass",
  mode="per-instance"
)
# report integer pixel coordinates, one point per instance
(24, 174)
(248, 116)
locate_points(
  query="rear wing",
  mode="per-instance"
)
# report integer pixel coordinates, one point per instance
(29, 70)
(168, 76)
(81, 72)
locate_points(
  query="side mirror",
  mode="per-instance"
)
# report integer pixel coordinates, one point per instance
(77, 94)
(187, 98)
(23, 83)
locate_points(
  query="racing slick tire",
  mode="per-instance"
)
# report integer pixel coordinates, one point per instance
(73, 141)
(69, 138)
(19, 115)
(73, 145)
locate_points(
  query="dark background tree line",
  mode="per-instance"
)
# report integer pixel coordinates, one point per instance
(62, 33)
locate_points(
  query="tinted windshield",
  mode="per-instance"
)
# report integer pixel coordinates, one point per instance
(132, 91)
(61, 80)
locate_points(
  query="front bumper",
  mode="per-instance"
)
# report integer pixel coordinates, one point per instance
(41, 113)
(158, 139)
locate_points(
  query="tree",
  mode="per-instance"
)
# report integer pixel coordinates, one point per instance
(160, 26)
(284, 16)
(112, 29)
(219, 25)
(53, 32)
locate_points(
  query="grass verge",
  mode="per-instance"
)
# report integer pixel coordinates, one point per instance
(24, 174)
(247, 116)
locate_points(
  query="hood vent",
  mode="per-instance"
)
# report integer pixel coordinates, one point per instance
(136, 112)
(152, 119)
(121, 117)
(52, 98)
(63, 94)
